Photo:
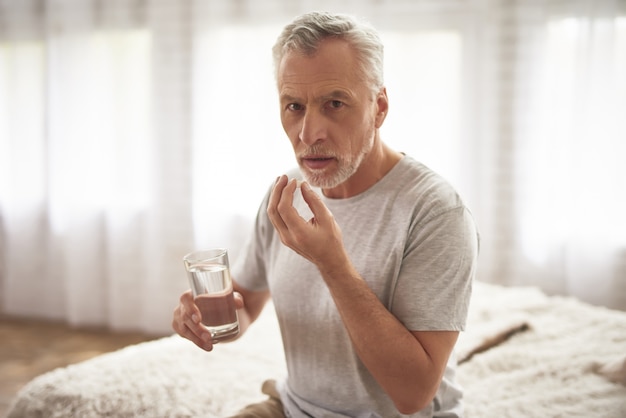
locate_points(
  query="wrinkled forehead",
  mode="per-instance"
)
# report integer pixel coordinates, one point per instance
(332, 60)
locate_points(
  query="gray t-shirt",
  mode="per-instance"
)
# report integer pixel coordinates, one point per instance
(414, 242)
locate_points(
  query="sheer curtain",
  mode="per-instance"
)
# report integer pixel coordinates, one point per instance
(570, 177)
(561, 134)
(132, 132)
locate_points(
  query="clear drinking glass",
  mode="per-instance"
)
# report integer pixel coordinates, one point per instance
(209, 278)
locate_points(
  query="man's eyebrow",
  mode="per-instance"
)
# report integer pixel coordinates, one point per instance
(333, 95)
(336, 94)
(287, 98)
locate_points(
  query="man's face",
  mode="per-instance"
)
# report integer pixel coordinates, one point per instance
(328, 112)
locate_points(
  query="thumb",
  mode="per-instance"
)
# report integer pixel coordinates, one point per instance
(239, 302)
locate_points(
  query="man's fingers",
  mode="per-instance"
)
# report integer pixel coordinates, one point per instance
(287, 212)
(280, 208)
(204, 341)
(272, 206)
(319, 209)
(187, 322)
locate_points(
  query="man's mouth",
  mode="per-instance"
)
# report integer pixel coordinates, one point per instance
(316, 162)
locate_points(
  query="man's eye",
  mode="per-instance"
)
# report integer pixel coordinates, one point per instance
(335, 104)
(294, 106)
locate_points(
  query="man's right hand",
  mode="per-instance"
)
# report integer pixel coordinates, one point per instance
(187, 322)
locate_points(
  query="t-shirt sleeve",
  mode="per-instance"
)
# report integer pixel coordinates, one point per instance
(433, 289)
(250, 269)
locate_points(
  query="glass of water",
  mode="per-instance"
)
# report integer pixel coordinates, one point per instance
(209, 277)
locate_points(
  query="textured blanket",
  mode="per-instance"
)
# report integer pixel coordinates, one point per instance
(523, 355)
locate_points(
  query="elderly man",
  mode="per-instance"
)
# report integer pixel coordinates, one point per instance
(372, 290)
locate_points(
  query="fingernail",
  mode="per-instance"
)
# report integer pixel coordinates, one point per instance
(195, 318)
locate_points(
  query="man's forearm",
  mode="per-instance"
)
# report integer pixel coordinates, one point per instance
(393, 355)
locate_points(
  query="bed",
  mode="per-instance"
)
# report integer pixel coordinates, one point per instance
(524, 354)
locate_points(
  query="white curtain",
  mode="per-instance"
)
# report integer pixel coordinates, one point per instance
(132, 132)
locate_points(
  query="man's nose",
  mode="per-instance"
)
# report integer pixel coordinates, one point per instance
(313, 128)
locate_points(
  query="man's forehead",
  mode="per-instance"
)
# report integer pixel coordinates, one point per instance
(331, 90)
(331, 58)
(322, 84)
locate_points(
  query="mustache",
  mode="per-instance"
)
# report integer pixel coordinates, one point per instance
(317, 150)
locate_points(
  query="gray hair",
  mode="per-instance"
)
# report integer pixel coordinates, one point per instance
(307, 31)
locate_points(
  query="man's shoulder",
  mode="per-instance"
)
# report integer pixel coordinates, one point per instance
(416, 180)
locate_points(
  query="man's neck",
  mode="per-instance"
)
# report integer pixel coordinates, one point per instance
(373, 168)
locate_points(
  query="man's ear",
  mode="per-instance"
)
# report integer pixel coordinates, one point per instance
(382, 103)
